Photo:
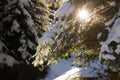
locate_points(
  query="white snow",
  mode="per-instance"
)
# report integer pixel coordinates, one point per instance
(118, 49)
(65, 9)
(99, 35)
(52, 36)
(10, 2)
(104, 47)
(64, 71)
(58, 69)
(23, 48)
(48, 37)
(17, 11)
(108, 28)
(25, 2)
(64, 1)
(15, 26)
(6, 59)
(113, 3)
(114, 35)
(31, 44)
(110, 21)
(69, 74)
(28, 20)
(108, 56)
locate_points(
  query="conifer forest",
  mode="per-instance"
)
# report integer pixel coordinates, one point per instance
(59, 39)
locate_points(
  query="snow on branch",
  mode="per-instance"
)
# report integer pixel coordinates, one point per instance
(50, 40)
(65, 9)
(113, 36)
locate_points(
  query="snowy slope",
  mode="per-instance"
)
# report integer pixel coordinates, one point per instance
(64, 71)
(58, 69)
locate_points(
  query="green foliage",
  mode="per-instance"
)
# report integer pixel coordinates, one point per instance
(90, 35)
(104, 35)
(40, 14)
(112, 64)
(18, 37)
(17, 30)
(87, 37)
(76, 37)
(45, 51)
(80, 78)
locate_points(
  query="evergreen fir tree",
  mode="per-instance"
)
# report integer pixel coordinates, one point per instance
(109, 40)
(67, 36)
(19, 20)
(18, 36)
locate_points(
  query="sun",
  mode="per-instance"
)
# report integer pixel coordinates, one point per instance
(83, 14)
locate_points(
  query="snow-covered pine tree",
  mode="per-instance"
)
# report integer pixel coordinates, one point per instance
(109, 41)
(51, 40)
(19, 20)
(41, 14)
(18, 35)
(65, 35)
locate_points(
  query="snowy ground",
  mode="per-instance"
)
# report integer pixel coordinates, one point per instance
(58, 69)
(64, 71)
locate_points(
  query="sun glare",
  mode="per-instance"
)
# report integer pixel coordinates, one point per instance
(83, 14)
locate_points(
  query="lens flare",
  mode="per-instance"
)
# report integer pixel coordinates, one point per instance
(83, 14)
